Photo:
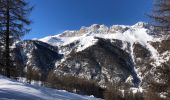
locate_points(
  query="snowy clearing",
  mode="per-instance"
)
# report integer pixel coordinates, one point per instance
(13, 90)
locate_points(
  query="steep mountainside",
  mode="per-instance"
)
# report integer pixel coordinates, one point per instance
(118, 53)
(38, 54)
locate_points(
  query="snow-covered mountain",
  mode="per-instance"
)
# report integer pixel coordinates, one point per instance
(119, 53)
(14, 90)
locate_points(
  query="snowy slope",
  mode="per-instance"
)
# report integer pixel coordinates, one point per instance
(138, 33)
(131, 34)
(13, 90)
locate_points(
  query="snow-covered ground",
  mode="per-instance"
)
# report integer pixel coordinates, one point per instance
(14, 90)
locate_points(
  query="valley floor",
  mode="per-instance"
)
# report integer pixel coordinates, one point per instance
(13, 90)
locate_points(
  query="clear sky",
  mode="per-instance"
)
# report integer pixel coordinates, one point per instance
(54, 16)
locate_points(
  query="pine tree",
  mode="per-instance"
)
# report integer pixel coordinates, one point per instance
(161, 15)
(13, 25)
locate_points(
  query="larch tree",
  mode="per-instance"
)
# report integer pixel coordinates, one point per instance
(13, 25)
(161, 22)
(161, 16)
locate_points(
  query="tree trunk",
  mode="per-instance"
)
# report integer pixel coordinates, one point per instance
(7, 42)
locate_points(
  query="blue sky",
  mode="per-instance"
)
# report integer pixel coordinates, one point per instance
(54, 16)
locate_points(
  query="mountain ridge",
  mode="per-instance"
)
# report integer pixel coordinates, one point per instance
(105, 54)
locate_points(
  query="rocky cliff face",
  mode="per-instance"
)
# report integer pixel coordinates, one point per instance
(38, 54)
(106, 54)
(105, 61)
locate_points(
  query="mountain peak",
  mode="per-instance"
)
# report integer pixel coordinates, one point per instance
(96, 30)
(140, 24)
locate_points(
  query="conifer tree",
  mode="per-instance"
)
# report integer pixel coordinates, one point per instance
(13, 25)
(161, 22)
(161, 16)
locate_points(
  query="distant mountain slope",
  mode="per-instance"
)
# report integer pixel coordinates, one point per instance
(119, 53)
(111, 48)
(13, 90)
